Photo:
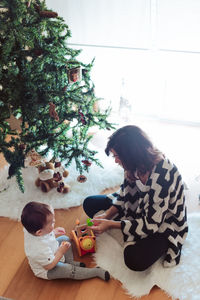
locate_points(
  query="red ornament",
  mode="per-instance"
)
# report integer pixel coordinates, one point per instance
(83, 121)
(86, 162)
(81, 178)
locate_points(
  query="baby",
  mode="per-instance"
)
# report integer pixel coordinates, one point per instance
(50, 257)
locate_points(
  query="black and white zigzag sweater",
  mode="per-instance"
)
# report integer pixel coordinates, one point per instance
(157, 206)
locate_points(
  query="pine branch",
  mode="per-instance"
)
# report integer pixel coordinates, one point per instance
(35, 65)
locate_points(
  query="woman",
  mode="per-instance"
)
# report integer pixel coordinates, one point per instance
(149, 208)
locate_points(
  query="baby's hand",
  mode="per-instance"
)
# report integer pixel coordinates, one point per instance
(59, 230)
(64, 246)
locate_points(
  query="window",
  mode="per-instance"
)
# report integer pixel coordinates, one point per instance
(147, 53)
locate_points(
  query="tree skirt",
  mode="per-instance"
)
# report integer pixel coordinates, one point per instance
(182, 281)
(12, 200)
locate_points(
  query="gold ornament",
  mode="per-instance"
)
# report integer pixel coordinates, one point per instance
(81, 178)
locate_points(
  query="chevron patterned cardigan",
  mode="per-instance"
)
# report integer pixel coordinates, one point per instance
(157, 206)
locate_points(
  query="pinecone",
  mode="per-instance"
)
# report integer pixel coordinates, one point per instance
(48, 14)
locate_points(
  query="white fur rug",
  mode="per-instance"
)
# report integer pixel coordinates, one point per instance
(182, 281)
(12, 200)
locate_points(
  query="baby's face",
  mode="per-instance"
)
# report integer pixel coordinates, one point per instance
(49, 226)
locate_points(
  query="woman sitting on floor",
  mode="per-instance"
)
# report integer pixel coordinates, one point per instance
(149, 208)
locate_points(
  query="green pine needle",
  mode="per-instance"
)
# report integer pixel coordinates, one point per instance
(35, 66)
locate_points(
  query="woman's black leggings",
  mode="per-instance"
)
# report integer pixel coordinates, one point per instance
(145, 252)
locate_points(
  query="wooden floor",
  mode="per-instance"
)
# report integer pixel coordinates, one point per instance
(18, 282)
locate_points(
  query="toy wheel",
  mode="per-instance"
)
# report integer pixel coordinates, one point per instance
(45, 187)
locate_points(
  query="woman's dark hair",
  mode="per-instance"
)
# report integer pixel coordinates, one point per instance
(135, 150)
(34, 216)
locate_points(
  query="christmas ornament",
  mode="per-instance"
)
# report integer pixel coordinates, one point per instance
(74, 75)
(48, 14)
(86, 162)
(83, 121)
(33, 159)
(44, 13)
(38, 63)
(52, 111)
(81, 178)
(15, 124)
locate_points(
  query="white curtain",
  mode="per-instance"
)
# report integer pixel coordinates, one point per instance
(116, 23)
(147, 53)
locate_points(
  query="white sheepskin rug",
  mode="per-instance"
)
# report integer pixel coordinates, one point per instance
(181, 282)
(12, 200)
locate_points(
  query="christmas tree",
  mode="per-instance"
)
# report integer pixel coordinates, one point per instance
(45, 86)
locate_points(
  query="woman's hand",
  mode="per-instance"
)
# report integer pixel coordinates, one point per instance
(100, 225)
(59, 230)
(101, 216)
(108, 214)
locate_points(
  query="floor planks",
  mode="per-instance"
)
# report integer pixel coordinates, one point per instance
(18, 282)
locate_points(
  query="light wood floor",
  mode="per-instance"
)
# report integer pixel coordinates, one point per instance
(18, 282)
